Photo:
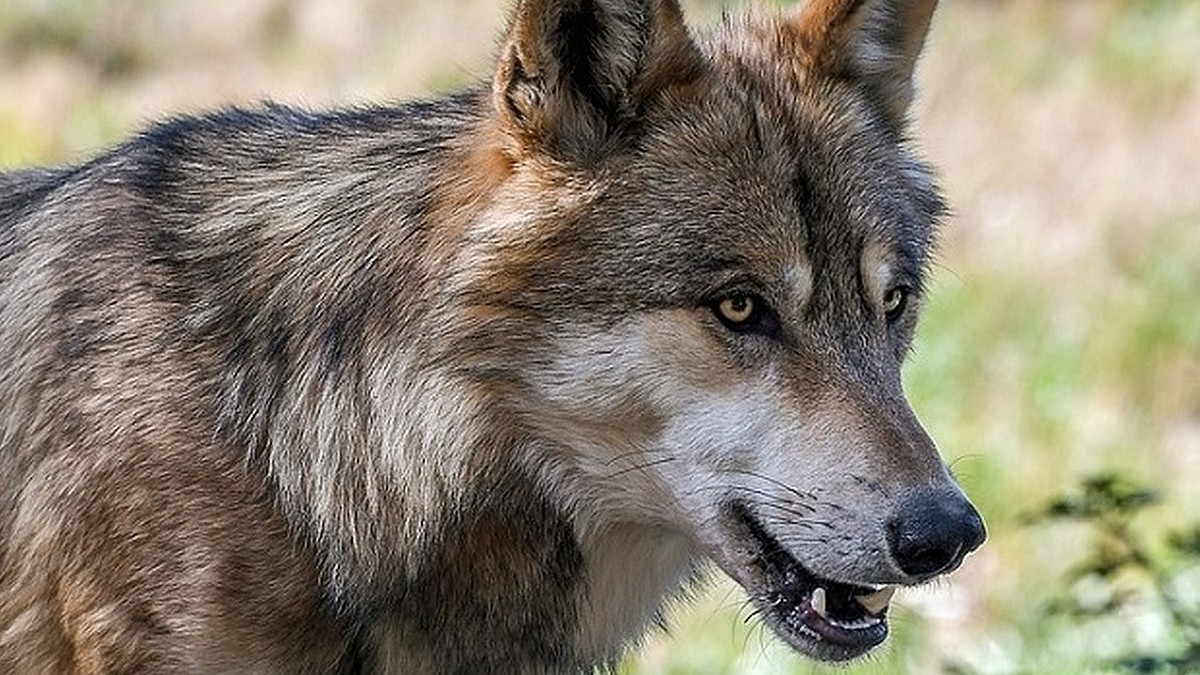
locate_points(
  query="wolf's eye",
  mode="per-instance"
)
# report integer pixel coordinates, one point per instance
(895, 301)
(737, 310)
(746, 313)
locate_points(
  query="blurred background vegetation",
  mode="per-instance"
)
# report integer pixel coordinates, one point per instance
(1059, 361)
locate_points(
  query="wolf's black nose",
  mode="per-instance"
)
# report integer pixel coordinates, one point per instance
(933, 532)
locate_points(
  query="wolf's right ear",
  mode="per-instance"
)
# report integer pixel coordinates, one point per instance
(876, 42)
(575, 74)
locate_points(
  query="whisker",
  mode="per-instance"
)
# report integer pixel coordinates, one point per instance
(798, 510)
(632, 453)
(640, 467)
(784, 486)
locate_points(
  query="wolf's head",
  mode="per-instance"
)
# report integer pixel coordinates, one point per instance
(698, 274)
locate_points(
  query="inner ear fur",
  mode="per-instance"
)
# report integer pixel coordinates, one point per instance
(573, 74)
(876, 42)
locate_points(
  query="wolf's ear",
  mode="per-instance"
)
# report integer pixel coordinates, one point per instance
(573, 74)
(876, 42)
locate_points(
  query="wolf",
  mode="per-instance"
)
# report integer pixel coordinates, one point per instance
(481, 384)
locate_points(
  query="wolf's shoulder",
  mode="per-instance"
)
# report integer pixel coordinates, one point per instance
(270, 129)
(242, 142)
(21, 188)
(186, 163)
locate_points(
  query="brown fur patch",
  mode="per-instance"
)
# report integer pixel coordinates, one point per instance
(477, 166)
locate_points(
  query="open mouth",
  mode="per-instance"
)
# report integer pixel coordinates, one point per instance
(825, 619)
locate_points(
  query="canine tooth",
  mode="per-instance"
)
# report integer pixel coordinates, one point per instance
(818, 602)
(878, 601)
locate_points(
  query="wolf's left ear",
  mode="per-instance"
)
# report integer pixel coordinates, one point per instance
(876, 42)
(573, 74)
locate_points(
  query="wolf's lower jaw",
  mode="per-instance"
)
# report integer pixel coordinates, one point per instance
(824, 619)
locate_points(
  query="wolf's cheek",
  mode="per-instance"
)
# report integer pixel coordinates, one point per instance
(648, 367)
(601, 402)
(653, 413)
(747, 443)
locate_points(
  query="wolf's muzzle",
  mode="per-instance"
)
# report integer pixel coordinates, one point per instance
(933, 531)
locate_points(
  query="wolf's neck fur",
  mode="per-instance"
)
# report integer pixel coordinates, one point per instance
(538, 580)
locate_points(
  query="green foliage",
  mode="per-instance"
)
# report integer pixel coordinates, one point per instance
(1124, 573)
(1109, 498)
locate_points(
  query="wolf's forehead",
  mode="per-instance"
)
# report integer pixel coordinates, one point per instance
(794, 211)
(788, 170)
(829, 155)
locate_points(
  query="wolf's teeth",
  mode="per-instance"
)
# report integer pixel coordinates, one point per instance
(818, 602)
(878, 601)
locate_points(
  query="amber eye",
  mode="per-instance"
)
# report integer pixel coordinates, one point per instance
(746, 313)
(894, 302)
(736, 310)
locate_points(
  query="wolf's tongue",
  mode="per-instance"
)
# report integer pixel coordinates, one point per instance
(878, 601)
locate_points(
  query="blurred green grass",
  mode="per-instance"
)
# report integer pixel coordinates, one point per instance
(1063, 332)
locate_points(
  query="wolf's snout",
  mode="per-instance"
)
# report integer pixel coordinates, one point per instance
(932, 533)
